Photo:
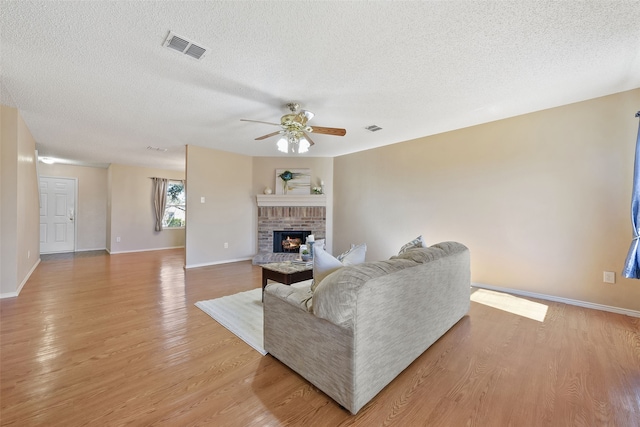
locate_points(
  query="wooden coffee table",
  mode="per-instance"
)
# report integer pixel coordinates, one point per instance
(285, 272)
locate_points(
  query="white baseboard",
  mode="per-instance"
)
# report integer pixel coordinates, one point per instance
(143, 250)
(73, 251)
(15, 294)
(8, 295)
(206, 264)
(585, 304)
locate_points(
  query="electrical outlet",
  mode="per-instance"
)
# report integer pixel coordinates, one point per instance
(226, 245)
(609, 277)
(118, 239)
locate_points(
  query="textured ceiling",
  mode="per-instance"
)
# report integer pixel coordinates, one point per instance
(95, 84)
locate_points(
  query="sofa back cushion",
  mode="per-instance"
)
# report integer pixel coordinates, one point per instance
(335, 297)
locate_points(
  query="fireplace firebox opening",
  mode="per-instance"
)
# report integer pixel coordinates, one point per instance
(289, 240)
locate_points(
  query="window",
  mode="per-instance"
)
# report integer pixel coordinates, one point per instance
(174, 212)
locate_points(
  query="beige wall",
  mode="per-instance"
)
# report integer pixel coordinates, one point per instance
(19, 200)
(130, 210)
(91, 209)
(264, 175)
(227, 216)
(542, 200)
(8, 199)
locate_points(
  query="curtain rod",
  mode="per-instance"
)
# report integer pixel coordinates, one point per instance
(170, 179)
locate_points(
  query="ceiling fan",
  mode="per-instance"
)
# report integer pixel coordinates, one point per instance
(295, 131)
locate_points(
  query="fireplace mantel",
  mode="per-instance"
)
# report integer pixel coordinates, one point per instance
(291, 200)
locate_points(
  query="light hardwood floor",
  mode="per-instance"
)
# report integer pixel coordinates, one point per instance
(116, 340)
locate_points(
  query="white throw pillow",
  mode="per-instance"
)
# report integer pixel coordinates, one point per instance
(353, 256)
(324, 263)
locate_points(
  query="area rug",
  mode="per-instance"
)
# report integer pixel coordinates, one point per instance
(241, 313)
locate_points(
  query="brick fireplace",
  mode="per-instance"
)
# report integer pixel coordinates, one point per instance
(287, 212)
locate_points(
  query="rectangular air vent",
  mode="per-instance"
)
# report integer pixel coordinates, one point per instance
(373, 128)
(184, 45)
(151, 147)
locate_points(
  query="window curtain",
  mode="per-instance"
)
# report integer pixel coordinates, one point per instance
(159, 199)
(632, 265)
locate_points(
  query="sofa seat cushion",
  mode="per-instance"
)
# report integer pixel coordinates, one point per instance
(298, 295)
(334, 298)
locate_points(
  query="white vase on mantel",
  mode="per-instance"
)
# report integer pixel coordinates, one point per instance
(268, 190)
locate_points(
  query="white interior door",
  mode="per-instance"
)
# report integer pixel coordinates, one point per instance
(57, 214)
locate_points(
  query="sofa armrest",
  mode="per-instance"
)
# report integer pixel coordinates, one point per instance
(299, 297)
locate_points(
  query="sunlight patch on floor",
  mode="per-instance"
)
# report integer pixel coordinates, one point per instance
(512, 304)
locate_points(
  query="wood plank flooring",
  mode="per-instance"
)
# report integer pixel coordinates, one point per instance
(101, 340)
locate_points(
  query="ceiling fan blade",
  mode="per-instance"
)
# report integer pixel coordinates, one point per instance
(268, 135)
(306, 135)
(258, 121)
(329, 131)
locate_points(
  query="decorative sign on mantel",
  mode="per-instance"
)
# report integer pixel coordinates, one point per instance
(293, 181)
(291, 200)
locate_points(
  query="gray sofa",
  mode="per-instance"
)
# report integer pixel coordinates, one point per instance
(365, 324)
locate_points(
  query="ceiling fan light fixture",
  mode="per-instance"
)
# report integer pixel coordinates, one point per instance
(303, 145)
(293, 138)
(295, 131)
(283, 145)
(307, 114)
(293, 142)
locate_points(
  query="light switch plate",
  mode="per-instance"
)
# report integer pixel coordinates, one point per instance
(609, 277)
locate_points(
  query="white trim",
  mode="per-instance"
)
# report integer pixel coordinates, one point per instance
(56, 252)
(228, 261)
(89, 250)
(585, 304)
(291, 200)
(15, 294)
(8, 295)
(144, 250)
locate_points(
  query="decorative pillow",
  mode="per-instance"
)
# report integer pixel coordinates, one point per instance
(353, 256)
(319, 243)
(324, 263)
(418, 242)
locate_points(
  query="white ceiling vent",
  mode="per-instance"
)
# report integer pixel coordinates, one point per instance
(184, 45)
(151, 147)
(373, 128)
